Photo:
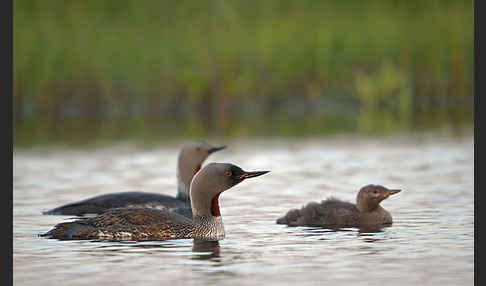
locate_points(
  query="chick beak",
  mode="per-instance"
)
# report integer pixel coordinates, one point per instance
(392, 192)
(247, 175)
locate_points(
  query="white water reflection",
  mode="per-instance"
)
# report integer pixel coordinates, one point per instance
(430, 243)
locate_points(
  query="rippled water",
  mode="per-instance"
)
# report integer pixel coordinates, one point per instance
(431, 241)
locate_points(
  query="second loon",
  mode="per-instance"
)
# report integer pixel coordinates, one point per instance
(191, 156)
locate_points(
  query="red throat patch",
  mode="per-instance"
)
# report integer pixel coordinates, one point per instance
(215, 206)
(197, 169)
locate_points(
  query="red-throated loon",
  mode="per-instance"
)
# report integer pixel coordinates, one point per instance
(162, 224)
(191, 156)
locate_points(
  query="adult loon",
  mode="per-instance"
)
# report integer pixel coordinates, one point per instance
(191, 156)
(163, 224)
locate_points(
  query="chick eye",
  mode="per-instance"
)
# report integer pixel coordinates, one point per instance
(227, 173)
(375, 192)
(198, 148)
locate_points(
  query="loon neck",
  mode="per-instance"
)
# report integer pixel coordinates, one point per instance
(365, 204)
(204, 203)
(368, 208)
(184, 182)
(206, 218)
(182, 191)
(208, 227)
(182, 188)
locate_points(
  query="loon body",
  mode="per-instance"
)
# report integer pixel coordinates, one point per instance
(161, 224)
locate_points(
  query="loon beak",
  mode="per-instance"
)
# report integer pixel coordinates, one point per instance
(392, 192)
(247, 175)
(216, 149)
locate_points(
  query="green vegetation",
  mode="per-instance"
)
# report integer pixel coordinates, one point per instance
(239, 67)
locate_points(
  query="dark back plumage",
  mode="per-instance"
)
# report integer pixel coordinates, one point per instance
(126, 223)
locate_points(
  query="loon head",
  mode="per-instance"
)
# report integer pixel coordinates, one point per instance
(211, 181)
(370, 196)
(191, 157)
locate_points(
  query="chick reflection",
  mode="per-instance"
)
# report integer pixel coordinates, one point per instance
(364, 229)
(205, 250)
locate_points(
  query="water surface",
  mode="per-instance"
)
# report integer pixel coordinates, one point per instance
(431, 241)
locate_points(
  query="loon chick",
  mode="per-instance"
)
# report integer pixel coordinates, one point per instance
(191, 156)
(334, 213)
(163, 224)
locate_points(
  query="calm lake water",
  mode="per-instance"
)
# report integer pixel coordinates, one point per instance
(430, 243)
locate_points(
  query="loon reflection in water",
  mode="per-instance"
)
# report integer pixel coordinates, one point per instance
(205, 250)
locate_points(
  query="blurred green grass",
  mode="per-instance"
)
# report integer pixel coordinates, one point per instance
(212, 67)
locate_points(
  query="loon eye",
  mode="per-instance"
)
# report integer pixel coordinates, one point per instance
(228, 173)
